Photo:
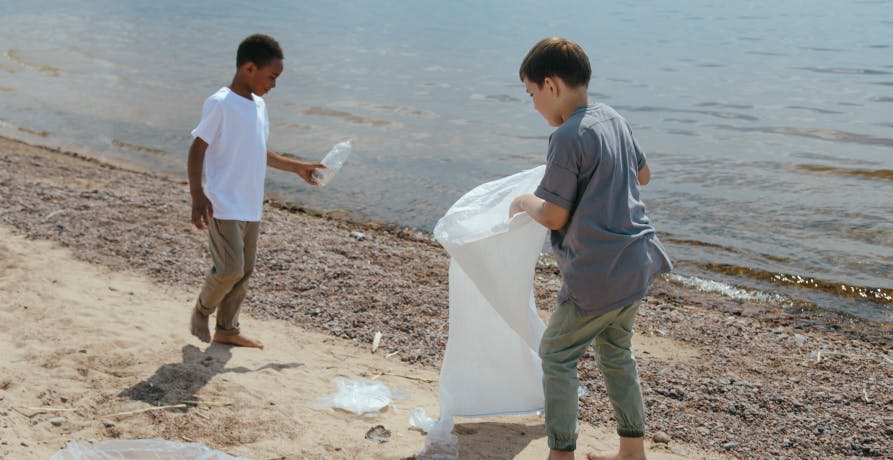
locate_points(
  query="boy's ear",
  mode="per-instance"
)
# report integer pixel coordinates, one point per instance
(551, 84)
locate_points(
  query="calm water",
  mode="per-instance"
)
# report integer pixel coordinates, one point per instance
(767, 124)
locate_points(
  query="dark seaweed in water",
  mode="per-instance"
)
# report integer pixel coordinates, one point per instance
(884, 174)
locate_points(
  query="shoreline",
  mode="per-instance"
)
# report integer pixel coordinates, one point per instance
(349, 218)
(755, 379)
(802, 292)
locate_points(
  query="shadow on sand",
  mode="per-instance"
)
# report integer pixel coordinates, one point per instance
(178, 383)
(496, 440)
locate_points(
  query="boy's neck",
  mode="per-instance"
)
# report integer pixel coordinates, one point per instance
(573, 99)
(240, 87)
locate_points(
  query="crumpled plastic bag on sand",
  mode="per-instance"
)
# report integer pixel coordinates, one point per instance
(360, 397)
(441, 443)
(141, 449)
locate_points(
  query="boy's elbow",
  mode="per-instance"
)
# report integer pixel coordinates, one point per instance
(554, 225)
(644, 175)
(555, 221)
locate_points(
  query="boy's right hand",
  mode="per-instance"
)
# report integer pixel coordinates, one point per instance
(202, 211)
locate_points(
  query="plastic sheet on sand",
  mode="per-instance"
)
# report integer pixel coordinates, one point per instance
(141, 449)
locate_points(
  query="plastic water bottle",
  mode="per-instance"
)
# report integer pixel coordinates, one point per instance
(333, 160)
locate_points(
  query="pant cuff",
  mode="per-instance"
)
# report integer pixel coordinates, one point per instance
(222, 331)
(631, 432)
(199, 308)
(564, 445)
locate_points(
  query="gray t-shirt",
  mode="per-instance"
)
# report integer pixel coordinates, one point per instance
(607, 252)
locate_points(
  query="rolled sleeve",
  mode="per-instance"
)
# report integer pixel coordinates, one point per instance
(559, 184)
(640, 155)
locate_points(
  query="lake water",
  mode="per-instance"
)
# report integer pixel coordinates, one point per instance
(767, 125)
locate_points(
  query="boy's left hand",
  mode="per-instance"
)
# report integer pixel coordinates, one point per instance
(515, 207)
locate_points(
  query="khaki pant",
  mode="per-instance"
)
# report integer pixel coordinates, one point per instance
(564, 342)
(233, 246)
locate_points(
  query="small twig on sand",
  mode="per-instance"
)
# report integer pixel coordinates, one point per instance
(52, 214)
(148, 409)
(207, 403)
(41, 410)
(411, 378)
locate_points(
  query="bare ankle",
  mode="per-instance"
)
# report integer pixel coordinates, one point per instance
(238, 340)
(630, 449)
(560, 455)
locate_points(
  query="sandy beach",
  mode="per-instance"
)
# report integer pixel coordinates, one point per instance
(99, 267)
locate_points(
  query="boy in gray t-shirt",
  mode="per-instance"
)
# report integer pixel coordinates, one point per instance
(606, 249)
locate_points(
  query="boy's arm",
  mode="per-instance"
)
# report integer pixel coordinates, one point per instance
(550, 215)
(202, 212)
(644, 175)
(301, 168)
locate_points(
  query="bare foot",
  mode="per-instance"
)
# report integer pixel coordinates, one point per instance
(560, 455)
(198, 326)
(630, 449)
(611, 457)
(238, 340)
(601, 457)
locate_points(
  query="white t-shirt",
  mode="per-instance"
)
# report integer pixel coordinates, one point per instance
(236, 130)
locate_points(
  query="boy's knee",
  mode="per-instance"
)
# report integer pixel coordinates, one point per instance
(546, 350)
(229, 276)
(556, 357)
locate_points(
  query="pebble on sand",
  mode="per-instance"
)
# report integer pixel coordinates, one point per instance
(378, 433)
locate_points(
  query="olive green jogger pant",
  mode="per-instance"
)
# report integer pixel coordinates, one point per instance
(564, 342)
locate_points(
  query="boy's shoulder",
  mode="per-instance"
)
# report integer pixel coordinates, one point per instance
(600, 112)
(221, 94)
(587, 118)
(227, 96)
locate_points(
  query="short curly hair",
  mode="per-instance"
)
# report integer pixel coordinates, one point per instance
(556, 57)
(258, 48)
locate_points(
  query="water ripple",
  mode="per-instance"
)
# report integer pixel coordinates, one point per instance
(845, 70)
(813, 109)
(346, 116)
(712, 113)
(13, 56)
(816, 133)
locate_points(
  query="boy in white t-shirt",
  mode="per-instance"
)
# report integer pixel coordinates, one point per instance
(230, 150)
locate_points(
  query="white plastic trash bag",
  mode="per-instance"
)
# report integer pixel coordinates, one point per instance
(491, 365)
(141, 449)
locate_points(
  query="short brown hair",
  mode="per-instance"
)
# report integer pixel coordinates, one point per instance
(556, 57)
(258, 48)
